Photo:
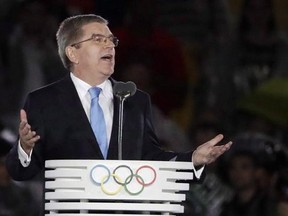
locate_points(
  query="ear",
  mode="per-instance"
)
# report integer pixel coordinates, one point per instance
(71, 54)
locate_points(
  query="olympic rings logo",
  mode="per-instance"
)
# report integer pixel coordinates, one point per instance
(123, 176)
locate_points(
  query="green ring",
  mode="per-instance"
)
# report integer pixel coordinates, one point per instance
(130, 177)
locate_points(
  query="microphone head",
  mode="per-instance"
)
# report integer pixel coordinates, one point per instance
(124, 90)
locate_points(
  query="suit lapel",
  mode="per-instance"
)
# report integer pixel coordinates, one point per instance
(113, 145)
(77, 115)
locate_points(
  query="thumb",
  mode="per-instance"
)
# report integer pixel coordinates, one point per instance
(23, 115)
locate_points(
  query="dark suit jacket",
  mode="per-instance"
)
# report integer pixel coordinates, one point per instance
(55, 112)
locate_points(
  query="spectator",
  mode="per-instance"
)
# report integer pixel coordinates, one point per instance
(207, 198)
(282, 192)
(248, 200)
(15, 198)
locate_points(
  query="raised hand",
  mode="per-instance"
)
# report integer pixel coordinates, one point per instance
(28, 138)
(210, 151)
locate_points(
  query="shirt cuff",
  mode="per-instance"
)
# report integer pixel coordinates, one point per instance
(173, 159)
(24, 158)
(198, 172)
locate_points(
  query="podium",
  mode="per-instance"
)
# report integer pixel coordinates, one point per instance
(115, 187)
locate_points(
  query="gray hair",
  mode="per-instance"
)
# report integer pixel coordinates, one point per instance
(70, 30)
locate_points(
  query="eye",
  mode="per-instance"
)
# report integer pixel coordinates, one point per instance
(114, 40)
(98, 39)
(111, 37)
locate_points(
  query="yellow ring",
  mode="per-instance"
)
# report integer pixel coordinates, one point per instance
(111, 192)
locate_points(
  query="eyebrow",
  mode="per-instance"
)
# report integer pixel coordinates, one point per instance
(102, 35)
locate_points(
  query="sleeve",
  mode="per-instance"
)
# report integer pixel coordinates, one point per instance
(23, 157)
(153, 147)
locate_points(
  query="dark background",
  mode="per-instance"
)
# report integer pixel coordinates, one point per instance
(210, 66)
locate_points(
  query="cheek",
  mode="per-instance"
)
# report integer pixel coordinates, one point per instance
(90, 55)
(94, 53)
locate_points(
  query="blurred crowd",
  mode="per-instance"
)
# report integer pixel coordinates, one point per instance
(210, 66)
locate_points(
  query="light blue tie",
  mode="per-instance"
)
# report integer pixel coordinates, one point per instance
(97, 120)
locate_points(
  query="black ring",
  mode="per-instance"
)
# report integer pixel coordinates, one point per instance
(126, 182)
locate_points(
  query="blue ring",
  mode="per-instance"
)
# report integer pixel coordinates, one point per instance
(97, 166)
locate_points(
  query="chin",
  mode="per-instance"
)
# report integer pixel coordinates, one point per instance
(109, 73)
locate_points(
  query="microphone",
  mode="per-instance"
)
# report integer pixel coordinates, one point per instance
(122, 91)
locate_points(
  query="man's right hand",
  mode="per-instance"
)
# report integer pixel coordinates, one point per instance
(28, 138)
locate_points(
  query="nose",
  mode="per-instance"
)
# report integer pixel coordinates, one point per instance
(108, 42)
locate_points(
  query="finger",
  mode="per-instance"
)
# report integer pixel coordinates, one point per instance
(24, 129)
(23, 120)
(33, 140)
(30, 135)
(219, 150)
(23, 115)
(227, 146)
(216, 140)
(22, 125)
(29, 142)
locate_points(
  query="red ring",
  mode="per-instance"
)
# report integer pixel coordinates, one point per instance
(153, 180)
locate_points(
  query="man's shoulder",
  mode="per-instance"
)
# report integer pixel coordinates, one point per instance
(54, 86)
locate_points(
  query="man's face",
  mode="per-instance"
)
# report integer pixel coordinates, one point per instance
(95, 59)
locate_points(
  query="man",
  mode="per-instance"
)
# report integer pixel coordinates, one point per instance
(54, 123)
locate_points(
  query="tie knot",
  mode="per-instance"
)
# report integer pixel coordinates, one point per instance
(94, 92)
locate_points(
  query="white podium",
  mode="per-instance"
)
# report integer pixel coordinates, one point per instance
(115, 187)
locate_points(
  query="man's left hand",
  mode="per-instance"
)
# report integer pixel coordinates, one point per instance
(209, 151)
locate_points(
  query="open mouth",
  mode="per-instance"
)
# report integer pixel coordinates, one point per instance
(107, 57)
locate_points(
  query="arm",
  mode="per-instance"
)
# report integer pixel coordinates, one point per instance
(27, 140)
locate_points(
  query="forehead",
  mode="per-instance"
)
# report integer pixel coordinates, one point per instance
(96, 28)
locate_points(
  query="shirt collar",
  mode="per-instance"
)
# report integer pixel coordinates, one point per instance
(83, 87)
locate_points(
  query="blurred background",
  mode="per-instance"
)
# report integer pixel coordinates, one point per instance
(210, 66)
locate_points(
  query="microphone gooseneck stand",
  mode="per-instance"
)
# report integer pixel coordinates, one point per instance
(122, 91)
(120, 128)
